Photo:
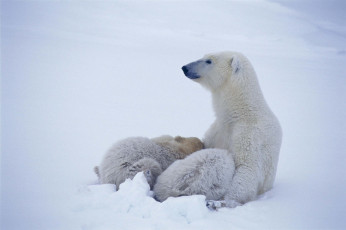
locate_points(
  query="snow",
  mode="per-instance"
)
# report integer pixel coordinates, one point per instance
(77, 76)
(96, 205)
(100, 203)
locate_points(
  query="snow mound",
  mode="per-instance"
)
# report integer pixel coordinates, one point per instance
(102, 207)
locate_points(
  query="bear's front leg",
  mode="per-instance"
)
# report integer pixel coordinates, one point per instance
(243, 189)
(244, 185)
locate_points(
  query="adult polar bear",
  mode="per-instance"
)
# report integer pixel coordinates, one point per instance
(244, 125)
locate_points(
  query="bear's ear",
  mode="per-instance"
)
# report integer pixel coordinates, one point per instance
(235, 64)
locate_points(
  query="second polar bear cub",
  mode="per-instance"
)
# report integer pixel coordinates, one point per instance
(139, 154)
(206, 172)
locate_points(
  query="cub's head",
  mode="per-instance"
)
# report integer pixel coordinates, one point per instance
(215, 70)
(187, 145)
(183, 145)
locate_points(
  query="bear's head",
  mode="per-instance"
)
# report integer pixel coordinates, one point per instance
(183, 145)
(218, 69)
(187, 145)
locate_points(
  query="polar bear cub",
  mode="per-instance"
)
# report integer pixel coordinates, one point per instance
(245, 126)
(139, 154)
(206, 172)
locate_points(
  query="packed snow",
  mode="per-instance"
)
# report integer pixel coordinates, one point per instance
(76, 76)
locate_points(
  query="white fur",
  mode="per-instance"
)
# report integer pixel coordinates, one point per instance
(206, 172)
(136, 154)
(244, 125)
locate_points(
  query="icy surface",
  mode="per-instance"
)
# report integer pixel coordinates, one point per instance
(78, 75)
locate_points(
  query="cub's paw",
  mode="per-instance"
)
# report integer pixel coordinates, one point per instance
(215, 205)
(150, 178)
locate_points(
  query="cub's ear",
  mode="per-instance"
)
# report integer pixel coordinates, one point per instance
(235, 64)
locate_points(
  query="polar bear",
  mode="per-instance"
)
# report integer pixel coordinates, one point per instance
(136, 154)
(206, 172)
(244, 126)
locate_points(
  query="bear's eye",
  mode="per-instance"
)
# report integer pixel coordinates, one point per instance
(208, 61)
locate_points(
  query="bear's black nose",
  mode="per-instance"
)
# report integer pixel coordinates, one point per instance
(184, 68)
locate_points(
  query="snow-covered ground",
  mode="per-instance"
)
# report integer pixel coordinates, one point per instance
(78, 75)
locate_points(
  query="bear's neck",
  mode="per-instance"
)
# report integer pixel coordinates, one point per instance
(235, 104)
